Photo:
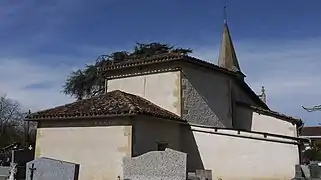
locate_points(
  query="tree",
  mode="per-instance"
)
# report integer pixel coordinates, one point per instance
(85, 83)
(313, 109)
(314, 152)
(12, 126)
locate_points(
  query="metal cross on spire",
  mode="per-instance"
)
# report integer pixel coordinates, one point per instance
(225, 13)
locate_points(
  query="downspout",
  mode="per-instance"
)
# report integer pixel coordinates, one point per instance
(105, 86)
(299, 129)
(231, 99)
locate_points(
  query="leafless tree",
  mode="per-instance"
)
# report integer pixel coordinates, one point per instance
(12, 127)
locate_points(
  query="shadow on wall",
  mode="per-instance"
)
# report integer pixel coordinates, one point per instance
(206, 103)
(243, 119)
(189, 146)
(150, 134)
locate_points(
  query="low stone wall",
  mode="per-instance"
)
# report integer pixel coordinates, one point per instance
(156, 165)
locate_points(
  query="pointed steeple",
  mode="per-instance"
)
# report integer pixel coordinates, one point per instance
(227, 58)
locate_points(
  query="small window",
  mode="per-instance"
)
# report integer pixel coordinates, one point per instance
(161, 146)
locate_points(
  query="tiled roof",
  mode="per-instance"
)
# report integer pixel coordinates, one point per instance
(272, 113)
(172, 57)
(311, 131)
(109, 104)
(166, 57)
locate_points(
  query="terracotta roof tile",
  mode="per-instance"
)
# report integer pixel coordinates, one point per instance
(311, 131)
(109, 104)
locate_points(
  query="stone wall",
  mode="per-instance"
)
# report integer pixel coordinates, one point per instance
(156, 165)
(206, 98)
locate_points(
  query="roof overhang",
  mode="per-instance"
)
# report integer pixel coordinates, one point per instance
(62, 118)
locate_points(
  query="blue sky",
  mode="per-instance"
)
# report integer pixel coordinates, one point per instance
(277, 43)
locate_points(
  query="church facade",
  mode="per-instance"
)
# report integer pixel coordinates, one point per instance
(174, 101)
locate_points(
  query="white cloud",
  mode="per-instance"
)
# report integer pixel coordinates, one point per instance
(17, 74)
(289, 70)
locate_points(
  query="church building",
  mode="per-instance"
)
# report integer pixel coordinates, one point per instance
(179, 102)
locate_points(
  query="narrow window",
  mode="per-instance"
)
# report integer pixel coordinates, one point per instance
(161, 146)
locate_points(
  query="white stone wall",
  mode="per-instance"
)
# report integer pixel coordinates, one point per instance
(99, 150)
(248, 119)
(162, 89)
(239, 158)
(265, 123)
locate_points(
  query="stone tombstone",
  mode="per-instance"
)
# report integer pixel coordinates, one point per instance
(4, 172)
(204, 174)
(305, 171)
(156, 165)
(22, 156)
(298, 171)
(315, 170)
(51, 169)
(192, 176)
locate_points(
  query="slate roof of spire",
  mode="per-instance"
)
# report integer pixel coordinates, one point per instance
(110, 104)
(227, 57)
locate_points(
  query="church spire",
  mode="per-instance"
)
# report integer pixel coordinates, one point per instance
(227, 58)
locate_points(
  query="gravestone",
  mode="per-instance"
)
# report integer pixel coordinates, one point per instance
(20, 158)
(306, 171)
(156, 165)
(204, 174)
(192, 176)
(315, 170)
(51, 169)
(4, 172)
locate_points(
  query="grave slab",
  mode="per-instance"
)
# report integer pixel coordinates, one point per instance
(51, 169)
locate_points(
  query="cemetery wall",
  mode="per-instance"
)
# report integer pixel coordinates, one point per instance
(99, 148)
(233, 155)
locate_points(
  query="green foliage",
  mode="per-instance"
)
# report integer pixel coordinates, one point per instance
(87, 82)
(314, 153)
